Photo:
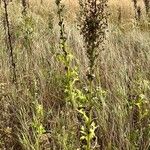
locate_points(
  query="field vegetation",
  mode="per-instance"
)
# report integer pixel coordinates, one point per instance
(74, 75)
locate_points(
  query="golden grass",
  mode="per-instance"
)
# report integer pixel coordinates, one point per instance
(123, 68)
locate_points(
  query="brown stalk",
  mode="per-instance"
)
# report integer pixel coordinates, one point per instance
(9, 42)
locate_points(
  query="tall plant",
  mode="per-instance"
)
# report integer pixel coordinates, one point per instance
(93, 24)
(66, 58)
(9, 44)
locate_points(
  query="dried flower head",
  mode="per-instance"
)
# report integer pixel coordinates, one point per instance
(93, 23)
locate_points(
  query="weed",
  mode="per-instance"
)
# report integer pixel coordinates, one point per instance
(66, 58)
(93, 23)
(74, 90)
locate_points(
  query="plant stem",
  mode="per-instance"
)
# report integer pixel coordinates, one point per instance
(9, 43)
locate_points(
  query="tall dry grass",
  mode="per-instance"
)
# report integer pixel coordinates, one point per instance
(35, 116)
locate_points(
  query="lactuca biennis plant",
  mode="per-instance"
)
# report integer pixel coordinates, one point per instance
(93, 25)
(87, 131)
(72, 94)
(139, 109)
(77, 98)
(31, 118)
(31, 130)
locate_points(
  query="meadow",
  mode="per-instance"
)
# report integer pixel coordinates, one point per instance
(74, 75)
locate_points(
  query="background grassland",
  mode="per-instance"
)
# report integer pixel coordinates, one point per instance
(34, 116)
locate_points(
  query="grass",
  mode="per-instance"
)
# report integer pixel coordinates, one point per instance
(36, 116)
